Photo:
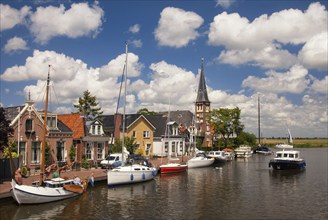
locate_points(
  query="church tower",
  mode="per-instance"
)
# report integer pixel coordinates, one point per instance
(202, 110)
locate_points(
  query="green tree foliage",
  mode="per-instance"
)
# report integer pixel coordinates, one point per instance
(5, 130)
(88, 106)
(226, 123)
(145, 111)
(129, 142)
(245, 138)
(72, 153)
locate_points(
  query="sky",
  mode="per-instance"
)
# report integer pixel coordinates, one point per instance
(275, 50)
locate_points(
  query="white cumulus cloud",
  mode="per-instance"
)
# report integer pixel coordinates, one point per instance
(293, 81)
(177, 27)
(15, 44)
(266, 36)
(79, 20)
(10, 17)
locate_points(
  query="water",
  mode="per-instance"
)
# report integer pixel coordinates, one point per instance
(241, 189)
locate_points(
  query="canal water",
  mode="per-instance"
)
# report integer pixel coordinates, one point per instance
(240, 189)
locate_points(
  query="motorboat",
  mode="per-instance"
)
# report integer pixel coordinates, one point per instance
(200, 160)
(138, 171)
(219, 156)
(263, 150)
(229, 154)
(243, 151)
(172, 168)
(287, 160)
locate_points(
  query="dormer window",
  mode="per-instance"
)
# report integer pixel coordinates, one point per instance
(52, 121)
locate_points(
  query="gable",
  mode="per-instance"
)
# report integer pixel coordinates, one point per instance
(75, 122)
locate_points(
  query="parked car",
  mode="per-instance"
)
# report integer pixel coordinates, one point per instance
(112, 160)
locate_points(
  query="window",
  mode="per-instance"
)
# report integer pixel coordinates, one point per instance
(146, 134)
(134, 134)
(93, 129)
(100, 151)
(291, 156)
(148, 148)
(51, 121)
(181, 146)
(60, 150)
(22, 151)
(173, 146)
(29, 125)
(88, 151)
(98, 130)
(35, 154)
(166, 146)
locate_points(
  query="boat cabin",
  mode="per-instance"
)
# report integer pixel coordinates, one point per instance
(287, 155)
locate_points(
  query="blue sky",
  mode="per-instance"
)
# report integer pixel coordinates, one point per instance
(273, 49)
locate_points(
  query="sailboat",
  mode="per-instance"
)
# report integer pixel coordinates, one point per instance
(138, 170)
(46, 190)
(170, 167)
(289, 144)
(261, 149)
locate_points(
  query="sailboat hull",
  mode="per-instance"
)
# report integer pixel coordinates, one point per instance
(172, 168)
(24, 194)
(130, 174)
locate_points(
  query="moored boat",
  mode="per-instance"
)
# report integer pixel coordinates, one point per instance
(263, 150)
(45, 190)
(219, 156)
(287, 160)
(200, 160)
(134, 173)
(172, 168)
(243, 151)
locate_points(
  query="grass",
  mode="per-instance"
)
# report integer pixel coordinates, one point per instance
(298, 143)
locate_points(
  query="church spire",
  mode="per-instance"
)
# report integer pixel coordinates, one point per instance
(202, 91)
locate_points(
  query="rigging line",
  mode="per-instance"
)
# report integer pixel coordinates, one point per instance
(118, 104)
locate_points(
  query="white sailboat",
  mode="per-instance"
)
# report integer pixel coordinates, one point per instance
(134, 172)
(289, 144)
(46, 190)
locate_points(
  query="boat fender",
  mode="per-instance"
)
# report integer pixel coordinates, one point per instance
(131, 177)
(143, 176)
(153, 172)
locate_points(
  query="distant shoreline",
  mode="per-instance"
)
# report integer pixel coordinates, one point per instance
(298, 142)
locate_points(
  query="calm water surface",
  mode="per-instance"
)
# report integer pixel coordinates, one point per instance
(241, 189)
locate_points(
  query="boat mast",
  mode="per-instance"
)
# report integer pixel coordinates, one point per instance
(259, 118)
(124, 103)
(44, 130)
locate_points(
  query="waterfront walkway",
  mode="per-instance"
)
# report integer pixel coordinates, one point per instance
(98, 173)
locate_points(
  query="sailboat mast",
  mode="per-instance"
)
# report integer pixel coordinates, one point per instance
(43, 146)
(259, 118)
(124, 103)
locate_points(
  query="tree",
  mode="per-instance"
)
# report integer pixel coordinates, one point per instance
(226, 123)
(88, 106)
(129, 143)
(245, 138)
(145, 111)
(5, 130)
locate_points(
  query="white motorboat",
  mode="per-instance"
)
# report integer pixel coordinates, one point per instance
(243, 151)
(219, 156)
(200, 160)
